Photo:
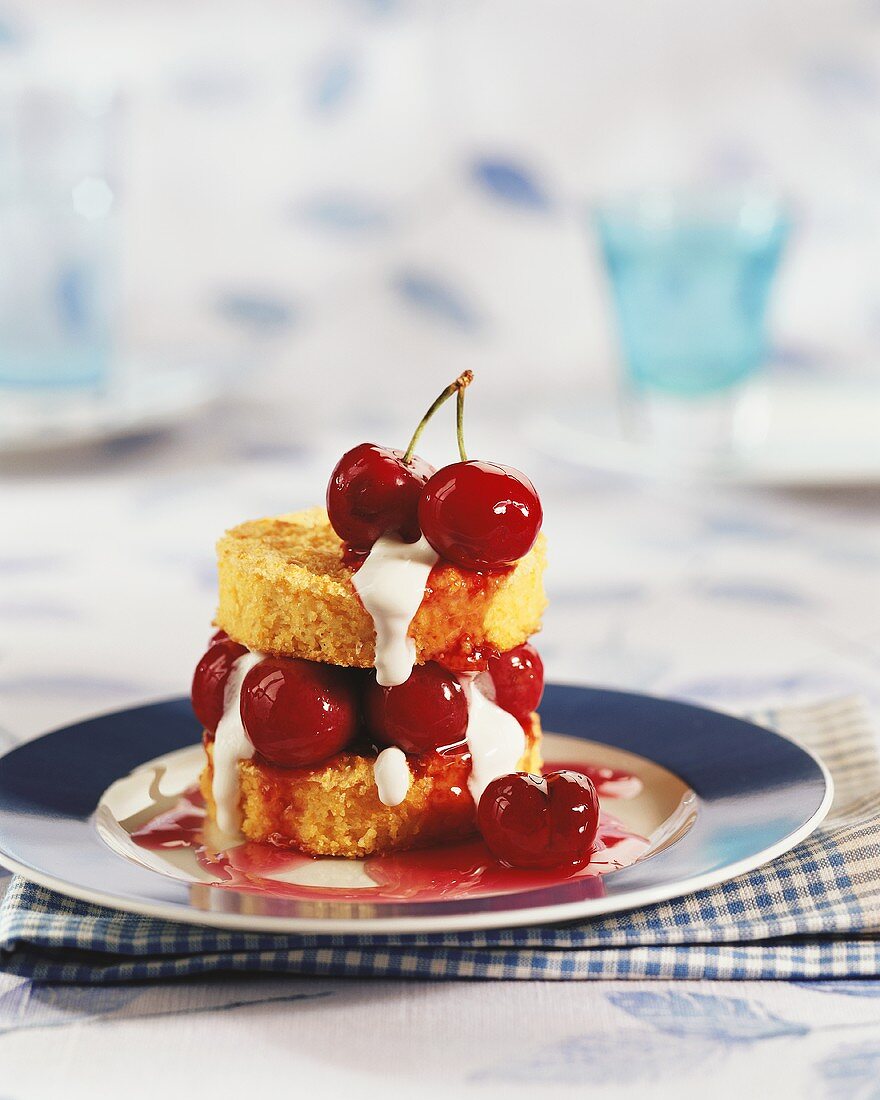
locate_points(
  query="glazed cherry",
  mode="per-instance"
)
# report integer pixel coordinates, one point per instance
(209, 681)
(514, 680)
(479, 515)
(374, 492)
(218, 636)
(297, 713)
(540, 823)
(428, 711)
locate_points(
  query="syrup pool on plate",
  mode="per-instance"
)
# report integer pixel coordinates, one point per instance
(425, 874)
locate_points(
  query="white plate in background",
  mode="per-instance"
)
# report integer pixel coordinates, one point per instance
(818, 433)
(144, 399)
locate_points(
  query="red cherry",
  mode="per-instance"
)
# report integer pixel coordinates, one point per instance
(428, 711)
(479, 515)
(209, 681)
(218, 636)
(528, 821)
(373, 492)
(514, 680)
(297, 713)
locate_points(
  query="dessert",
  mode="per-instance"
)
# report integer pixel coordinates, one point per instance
(372, 675)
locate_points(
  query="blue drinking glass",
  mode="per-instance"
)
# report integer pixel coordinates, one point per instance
(690, 278)
(58, 239)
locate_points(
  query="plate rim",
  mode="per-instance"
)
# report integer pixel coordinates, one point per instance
(414, 925)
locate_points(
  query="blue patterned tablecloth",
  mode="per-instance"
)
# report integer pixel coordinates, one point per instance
(811, 918)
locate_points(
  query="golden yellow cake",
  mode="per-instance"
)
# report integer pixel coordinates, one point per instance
(286, 590)
(333, 809)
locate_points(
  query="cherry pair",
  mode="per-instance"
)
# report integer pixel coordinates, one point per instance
(540, 822)
(477, 515)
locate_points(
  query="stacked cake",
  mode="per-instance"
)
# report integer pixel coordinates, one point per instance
(372, 672)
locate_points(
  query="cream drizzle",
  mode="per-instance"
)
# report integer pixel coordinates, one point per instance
(495, 739)
(391, 584)
(231, 744)
(392, 775)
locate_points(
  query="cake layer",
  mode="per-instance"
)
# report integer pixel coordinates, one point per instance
(285, 589)
(334, 809)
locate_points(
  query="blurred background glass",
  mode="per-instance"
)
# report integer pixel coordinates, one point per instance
(690, 277)
(58, 236)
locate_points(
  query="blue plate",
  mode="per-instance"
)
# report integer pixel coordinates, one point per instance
(742, 795)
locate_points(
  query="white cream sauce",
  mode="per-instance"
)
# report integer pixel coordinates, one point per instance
(392, 775)
(495, 739)
(231, 744)
(391, 584)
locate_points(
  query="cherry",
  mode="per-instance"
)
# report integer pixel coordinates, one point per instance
(375, 491)
(428, 711)
(541, 823)
(514, 680)
(218, 636)
(480, 515)
(297, 713)
(209, 681)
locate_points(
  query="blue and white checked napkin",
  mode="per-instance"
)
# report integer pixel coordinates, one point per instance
(813, 913)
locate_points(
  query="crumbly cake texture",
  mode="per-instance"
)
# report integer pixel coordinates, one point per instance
(334, 809)
(286, 590)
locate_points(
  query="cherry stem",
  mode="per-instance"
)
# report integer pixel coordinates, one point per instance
(459, 423)
(458, 386)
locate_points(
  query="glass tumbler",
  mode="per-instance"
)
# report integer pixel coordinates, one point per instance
(690, 279)
(58, 238)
